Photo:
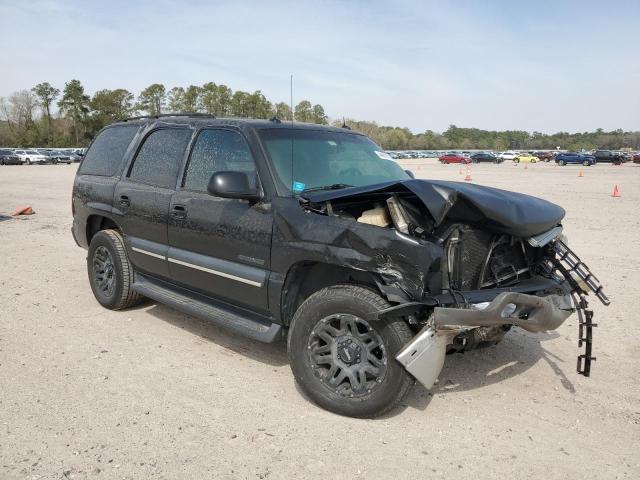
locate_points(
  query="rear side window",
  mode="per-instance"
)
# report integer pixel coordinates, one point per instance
(218, 151)
(105, 154)
(160, 156)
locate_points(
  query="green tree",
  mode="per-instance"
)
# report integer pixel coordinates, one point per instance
(175, 100)
(46, 95)
(240, 104)
(75, 104)
(152, 99)
(216, 99)
(318, 115)
(303, 112)
(258, 106)
(283, 111)
(109, 106)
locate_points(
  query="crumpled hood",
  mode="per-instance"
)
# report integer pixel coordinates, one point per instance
(497, 210)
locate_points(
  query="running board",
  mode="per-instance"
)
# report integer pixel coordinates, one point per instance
(235, 320)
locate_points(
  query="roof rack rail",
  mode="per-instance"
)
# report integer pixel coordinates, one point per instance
(162, 115)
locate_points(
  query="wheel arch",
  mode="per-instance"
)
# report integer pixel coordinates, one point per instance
(96, 223)
(307, 277)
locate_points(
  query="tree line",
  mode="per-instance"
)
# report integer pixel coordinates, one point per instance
(395, 138)
(27, 118)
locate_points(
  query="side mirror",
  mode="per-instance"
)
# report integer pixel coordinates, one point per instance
(232, 185)
(410, 173)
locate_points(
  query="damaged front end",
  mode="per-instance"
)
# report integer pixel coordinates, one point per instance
(496, 260)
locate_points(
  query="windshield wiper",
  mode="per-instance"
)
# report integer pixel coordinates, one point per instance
(333, 186)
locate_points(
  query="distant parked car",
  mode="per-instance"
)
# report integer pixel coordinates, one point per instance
(485, 157)
(508, 155)
(575, 158)
(525, 158)
(544, 156)
(635, 157)
(609, 156)
(7, 157)
(454, 158)
(31, 156)
(58, 156)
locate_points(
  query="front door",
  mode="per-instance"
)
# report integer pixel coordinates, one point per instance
(220, 247)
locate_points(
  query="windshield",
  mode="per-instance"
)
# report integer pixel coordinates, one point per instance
(316, 159)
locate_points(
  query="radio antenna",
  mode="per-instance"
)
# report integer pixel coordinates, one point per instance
(291, 106)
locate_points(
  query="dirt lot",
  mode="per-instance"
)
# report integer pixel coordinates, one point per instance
(151, 393)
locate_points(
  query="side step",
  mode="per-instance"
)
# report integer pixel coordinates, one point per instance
(236, 320)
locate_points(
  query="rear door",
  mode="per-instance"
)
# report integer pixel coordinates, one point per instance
(220, 247)
(142, 197)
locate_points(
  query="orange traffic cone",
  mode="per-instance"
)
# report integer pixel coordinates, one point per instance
(467, 178)
(616, 191)
(581, 174)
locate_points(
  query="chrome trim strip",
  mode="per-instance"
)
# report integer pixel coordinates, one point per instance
(146, 252)
(215, 272)
(542, 239)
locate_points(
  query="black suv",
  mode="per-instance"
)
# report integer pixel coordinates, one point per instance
(609, 156)
(314, 234)
(485, 157)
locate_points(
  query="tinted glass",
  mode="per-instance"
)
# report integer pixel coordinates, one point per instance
(218, 151)
(306, 159)
(105, 154)
(160, 157)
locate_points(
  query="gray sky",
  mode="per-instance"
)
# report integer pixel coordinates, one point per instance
(538, 66)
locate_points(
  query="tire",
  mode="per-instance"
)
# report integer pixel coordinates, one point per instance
(562, 163)
(28, 162)
(516, 160)
(586, 163)
(338, 314)
(110, 272)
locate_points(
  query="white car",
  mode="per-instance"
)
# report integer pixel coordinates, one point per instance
(508, 155)
(31, 156)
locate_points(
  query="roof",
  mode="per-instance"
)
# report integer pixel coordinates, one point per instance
(203, 119)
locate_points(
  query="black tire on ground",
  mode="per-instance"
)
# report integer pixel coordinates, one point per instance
(517, 160)
(325, 323)
(28, 162)
(586, 163)
(110, 272)
(562, 163)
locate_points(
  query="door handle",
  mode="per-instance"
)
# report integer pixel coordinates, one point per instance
(124, 201)
(179, 211)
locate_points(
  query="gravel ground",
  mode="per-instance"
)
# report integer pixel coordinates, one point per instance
(151, 393)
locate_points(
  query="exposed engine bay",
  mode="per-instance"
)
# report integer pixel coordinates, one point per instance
(504, 262)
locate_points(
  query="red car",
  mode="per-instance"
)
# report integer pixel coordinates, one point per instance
(454, 158)
(545, 156)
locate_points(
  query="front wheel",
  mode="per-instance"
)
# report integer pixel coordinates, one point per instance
(342, 360)
(28, 162)
(562, 163)
(586, 163)
(517, 160)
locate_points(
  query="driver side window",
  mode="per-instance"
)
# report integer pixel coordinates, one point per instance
(218, 151)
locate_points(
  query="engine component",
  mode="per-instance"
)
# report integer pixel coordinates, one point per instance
(378, 216)
(397, 214)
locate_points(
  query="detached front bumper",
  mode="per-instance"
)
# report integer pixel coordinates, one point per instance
(424, 355)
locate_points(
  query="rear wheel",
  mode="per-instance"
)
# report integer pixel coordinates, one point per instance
(344, 362)
(28, 161)
(586, 163)
(110, 272)
(517, 160)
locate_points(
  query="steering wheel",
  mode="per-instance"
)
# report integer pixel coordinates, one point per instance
(351, 172)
